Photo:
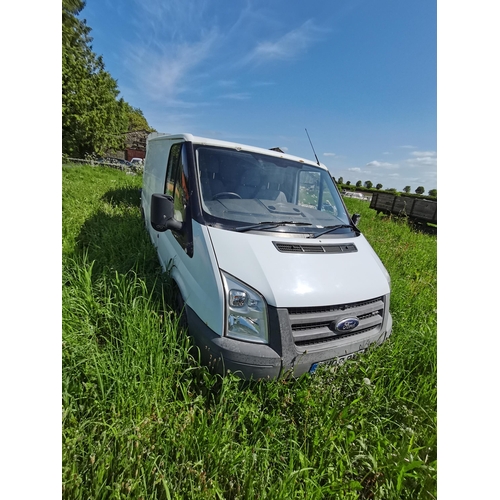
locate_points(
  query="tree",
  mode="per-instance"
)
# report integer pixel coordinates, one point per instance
(368, 184)
(341, 180)
(93, 118)
(137, 120)
(420, 190)
(392, 190)
(359, 184)
(70, 9)
(348, 183)
(433, 192)
(379, 186)
(407, 189)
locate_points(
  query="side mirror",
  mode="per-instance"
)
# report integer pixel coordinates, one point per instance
(162, 214)
(355, 218)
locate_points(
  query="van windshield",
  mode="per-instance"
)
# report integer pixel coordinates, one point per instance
(241, 187)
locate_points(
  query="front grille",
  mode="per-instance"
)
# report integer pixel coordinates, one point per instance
(300, 248)
(326, 309)
(310, 325)
(322, 340)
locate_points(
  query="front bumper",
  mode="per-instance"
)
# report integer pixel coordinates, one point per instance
(282, 357)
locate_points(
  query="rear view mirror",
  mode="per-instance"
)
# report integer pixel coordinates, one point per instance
(355, 219)
(162, 214)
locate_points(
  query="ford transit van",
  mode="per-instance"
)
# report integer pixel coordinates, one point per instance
(272, 272)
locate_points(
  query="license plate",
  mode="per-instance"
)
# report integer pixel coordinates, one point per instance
(339, 360)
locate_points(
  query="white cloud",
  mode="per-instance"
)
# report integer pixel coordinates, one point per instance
(427, 161)
(408, 147)
(381, 164)
(423, 153)
(179, 16)
(287, 47)
(329, 154)
(354, 169)
(162, 70)
(178, 47)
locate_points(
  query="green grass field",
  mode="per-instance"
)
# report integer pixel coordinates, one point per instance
(141, 419)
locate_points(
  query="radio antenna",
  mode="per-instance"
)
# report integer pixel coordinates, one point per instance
(312, 148)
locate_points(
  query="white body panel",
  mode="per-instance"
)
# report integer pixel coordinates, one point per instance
(300, 280)
(154, 173)
(198, 276)
(166, 140)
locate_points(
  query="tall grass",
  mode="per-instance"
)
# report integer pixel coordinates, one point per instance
(141, 418)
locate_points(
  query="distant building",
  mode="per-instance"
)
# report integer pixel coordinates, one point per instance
(135, 146)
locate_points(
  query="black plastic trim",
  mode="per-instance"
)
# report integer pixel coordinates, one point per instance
(194, 194)
(301, 248)
(281, 358)
(222, 354)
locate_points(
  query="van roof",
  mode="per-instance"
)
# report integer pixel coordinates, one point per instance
(155, 136)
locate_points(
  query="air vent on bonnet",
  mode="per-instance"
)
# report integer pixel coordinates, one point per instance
(299, 248)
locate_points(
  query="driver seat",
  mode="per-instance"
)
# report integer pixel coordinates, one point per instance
(210, 184)
(249, 183)
(272, 188)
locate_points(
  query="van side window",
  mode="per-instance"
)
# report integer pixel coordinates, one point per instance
(173, 162)
(181, 187)
(177, 186)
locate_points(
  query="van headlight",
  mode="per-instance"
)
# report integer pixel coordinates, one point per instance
(246, 311)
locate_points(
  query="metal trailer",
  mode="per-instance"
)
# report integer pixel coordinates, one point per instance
(419, 210)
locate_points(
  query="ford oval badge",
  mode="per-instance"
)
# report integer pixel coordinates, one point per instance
(346, 324)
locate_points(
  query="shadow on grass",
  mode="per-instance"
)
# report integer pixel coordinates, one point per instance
(129, 197)
(116, 238)
(422, 227)
(118, 243)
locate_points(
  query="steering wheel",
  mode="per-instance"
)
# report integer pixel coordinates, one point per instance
(226, 194)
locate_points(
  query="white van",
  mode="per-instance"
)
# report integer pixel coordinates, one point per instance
(272, 272)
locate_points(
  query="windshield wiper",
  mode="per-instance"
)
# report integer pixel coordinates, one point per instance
(270, 225)
(330, 229)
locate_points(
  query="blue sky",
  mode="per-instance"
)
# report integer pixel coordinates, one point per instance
(360, 75)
